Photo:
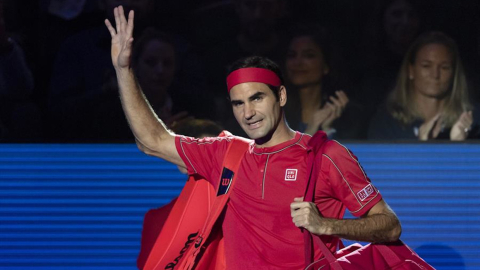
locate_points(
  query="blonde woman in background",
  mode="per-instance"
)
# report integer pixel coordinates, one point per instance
(430, 99)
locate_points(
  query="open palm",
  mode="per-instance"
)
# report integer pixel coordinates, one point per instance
(121, 37)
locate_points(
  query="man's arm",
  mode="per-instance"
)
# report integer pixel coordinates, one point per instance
(379, 224)
(152, 136)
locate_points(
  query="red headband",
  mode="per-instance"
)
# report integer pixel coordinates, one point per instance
(260, 75)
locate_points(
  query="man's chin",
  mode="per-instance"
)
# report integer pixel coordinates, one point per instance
(253, 134)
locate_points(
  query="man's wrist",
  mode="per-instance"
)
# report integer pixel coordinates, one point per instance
(123, 72)
(327, 227)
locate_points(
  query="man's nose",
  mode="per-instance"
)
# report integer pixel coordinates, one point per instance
(249, 111)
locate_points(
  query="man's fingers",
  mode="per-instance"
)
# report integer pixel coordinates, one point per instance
(295, 206)
(110, 28)
(117, 18)
(123, 22)
(301, 211)
(130, 23)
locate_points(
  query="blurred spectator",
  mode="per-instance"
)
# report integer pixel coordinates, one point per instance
(315, 102)
(83, 99)
(50, 23)
(155, 218)
(392, 29)
(158, 69)
(430, 99)
(154, 62)
(20, 117)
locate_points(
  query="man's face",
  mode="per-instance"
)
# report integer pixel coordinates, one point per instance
(256, 108)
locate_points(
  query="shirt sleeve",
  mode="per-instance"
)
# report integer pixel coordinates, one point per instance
(203, 156)
(345, 179)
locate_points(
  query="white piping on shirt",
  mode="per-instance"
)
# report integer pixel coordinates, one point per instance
(182, 141)
(361, 205)
(358, 163)
(185, 155)
(345, 180)
(264, 174)
(296, 143)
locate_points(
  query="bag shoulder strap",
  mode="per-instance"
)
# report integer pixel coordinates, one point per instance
(315, 148)
(316, 143)
(231, 162)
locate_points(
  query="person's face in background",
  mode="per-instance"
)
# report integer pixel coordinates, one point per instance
(432, 71)
(259, 17)
(155, 68)
(305, 62)
(401, 22)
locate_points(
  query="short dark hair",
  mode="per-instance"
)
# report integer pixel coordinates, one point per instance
(259, 62)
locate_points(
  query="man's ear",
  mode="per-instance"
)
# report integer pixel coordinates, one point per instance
(282, 95)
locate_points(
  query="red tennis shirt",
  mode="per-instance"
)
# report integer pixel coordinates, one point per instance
(257, 227)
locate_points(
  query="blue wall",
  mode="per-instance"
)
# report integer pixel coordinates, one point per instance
(81, 206)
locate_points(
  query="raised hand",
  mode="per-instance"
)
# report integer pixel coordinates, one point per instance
(460, 129)
(121, 38)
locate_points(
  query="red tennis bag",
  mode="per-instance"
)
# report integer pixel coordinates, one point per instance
(394, 255)
(190, 236)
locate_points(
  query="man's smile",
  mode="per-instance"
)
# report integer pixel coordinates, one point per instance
(254, 124)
